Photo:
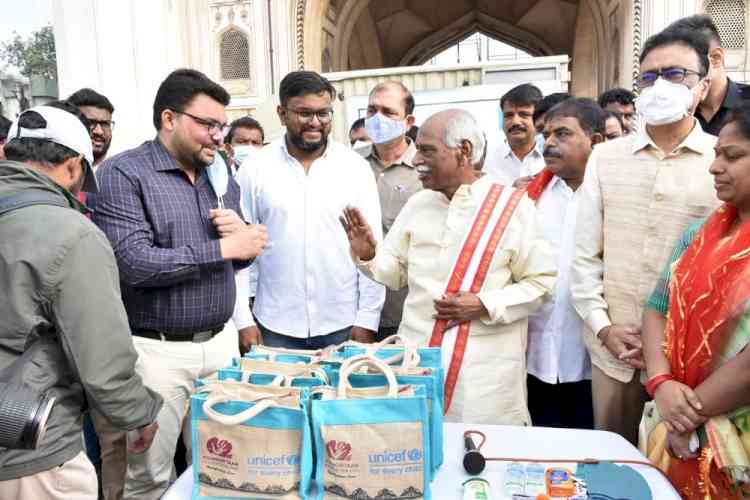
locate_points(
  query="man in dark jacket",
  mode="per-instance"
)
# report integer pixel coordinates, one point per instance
(64, 331)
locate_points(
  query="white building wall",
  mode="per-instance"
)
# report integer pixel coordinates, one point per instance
(124, 49)
(121, 49)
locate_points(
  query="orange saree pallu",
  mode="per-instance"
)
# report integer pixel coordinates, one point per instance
(708, 292)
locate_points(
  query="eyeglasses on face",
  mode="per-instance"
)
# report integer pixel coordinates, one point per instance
(104, 124)
(306, 116)
(212, 126)
(674, 75)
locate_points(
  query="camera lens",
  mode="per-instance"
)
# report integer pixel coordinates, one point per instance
(23, 416)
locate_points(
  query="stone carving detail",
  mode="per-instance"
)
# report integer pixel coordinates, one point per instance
(637, 33)
(300, 24)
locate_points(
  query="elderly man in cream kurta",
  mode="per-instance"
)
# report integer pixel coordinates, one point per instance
(421, 250)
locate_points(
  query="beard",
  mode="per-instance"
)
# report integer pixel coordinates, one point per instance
(189, 156)
(299, 142)
(101, 152)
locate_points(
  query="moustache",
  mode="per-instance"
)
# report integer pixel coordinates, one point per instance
(519, 128)
(552, 153)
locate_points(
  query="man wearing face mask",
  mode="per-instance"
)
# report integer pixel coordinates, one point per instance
(389, 116)
(638, 195)
(310, 295)
(521, 153)
(724, 95)
(177, 253)
(358, 134)
(245, 136)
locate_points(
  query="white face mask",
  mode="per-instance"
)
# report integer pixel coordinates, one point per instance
(241, 153)
(359, 143)
(382, 129)
(664, 102)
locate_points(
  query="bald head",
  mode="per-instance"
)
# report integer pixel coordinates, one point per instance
(400, 94)
(452, 127)
(448, 145)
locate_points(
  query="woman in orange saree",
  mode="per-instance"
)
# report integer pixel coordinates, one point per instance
(696, 327)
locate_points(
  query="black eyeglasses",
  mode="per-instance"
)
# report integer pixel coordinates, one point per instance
(674, 75)
(104, 124)
(305, 116)
(212, 126)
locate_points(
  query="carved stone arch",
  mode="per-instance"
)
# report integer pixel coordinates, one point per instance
(471, 23)
(591, 49)
(347, 20)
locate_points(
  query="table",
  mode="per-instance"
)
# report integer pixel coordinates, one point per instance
(506, 441)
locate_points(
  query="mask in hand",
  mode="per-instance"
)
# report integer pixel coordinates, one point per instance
(218, 177)
(382, 129)
(664, 102)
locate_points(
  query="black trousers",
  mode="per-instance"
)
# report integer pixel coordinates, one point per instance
(565, 405)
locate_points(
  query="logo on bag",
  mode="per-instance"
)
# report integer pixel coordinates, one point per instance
(338, 450)
(396, 457)
(219, 447)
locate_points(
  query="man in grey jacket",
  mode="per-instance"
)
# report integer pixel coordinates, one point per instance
(64, 331)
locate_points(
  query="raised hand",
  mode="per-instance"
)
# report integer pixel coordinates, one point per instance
(359, 233)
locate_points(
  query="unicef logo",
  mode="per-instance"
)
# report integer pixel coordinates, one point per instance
(415, 455)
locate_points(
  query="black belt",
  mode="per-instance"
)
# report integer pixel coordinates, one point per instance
(202, 336)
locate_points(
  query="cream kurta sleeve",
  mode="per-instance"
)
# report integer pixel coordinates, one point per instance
(389, 266)
(587, 271)
(532, 267)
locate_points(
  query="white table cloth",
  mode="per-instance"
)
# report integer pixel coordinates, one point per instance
(505, 441)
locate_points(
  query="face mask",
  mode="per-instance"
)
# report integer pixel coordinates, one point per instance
(359, 143)
(664, 102)
(382, 129)
(540, 142)
(241, 153)
(218, 177)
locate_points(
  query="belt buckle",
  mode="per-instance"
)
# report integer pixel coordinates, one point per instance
(204, 336)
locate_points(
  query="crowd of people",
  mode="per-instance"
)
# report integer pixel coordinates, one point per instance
(587, 272)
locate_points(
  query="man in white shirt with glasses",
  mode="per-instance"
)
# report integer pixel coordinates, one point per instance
(310, 294)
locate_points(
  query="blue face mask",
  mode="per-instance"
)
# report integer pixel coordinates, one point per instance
(241, 153)
(218, 177)
(540, 142)
(382, 129)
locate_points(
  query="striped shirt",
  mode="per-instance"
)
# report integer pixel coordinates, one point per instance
(172, 275)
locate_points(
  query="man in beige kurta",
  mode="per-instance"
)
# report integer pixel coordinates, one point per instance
(420, 251)
(638, 195)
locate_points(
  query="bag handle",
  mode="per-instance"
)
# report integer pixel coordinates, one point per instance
(261, 405)
(410, 355)
(315, 371)
(355, 363)
(315, 354)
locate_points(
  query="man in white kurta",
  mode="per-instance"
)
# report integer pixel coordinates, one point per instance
(420, 251)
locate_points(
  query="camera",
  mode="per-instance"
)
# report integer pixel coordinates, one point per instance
(23, 416)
